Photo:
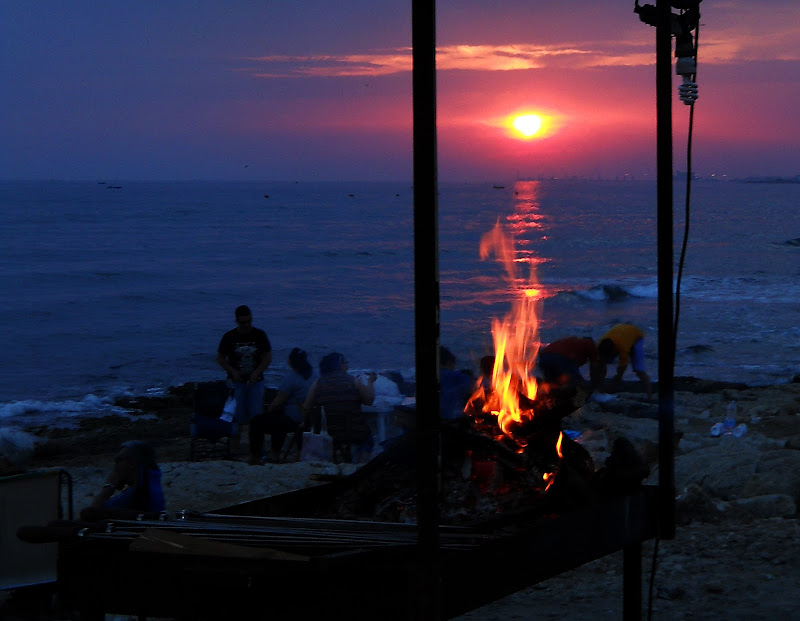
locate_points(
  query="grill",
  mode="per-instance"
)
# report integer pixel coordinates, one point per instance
(289, 554)
(234, 564)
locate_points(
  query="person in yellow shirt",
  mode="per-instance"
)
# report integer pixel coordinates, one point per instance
(625, 341)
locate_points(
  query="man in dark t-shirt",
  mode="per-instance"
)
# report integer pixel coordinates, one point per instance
(245, 353)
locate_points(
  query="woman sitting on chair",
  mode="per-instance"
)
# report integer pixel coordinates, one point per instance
(283, 416)
(342, 396)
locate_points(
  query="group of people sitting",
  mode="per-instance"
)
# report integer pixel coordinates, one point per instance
(303, 398)
(245, 352)
(134, 484)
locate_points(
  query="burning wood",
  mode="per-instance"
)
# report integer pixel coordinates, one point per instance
(508, 453)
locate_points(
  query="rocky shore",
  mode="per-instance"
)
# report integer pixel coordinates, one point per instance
(736, 554)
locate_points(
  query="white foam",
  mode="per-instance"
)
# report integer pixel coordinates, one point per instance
(57, 413)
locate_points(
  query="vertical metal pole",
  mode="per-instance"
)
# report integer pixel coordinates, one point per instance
(425, 598)
(666, 353)
(632, 582)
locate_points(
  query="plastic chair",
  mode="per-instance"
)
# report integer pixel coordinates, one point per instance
(349, 431)
(292, 443)
(206, 424)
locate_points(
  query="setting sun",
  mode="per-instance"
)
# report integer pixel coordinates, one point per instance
(528, 125)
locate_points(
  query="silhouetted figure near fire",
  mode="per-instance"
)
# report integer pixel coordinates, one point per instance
(625, 341)
(456, 386)
(487, 370)
(560, 362)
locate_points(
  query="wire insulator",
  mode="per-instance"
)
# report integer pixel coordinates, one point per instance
(688, 92)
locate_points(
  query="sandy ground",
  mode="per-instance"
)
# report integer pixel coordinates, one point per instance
(736, 554)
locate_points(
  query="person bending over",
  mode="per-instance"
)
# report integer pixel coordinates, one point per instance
(560, 362)
(625, 341)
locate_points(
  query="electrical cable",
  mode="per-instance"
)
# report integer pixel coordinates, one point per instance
(687, 211)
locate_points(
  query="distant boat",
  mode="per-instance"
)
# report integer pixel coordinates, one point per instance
(499, 187)
(113, 187)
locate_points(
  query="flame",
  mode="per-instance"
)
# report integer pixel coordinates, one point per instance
(515, 337)
(550, 477)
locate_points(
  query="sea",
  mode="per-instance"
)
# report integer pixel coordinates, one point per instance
(125, 288)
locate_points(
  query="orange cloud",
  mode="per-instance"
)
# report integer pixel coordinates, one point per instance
(509, 57)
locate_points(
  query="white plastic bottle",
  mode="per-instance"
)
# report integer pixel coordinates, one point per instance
(729, 424)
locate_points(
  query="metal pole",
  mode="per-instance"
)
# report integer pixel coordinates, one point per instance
(632, 582)
(666, 356)
(425, 593)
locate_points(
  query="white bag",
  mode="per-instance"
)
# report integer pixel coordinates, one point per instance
(317, 446)
(229, 410)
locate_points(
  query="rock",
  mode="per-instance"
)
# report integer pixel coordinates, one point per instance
(766, 506)
(694, 503)
(721, 470)
(641, 432)
(777, 472)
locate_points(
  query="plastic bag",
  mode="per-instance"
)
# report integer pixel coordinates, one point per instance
(317, 446)
(229, 411)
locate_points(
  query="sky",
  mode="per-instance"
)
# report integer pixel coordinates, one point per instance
(321, 90)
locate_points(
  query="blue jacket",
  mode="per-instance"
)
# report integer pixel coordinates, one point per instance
(456, 389)
(148, 497)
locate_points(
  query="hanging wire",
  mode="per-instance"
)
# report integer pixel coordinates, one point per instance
(687, 211)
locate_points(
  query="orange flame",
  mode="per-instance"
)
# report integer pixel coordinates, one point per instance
(515, 337)
(550, 477)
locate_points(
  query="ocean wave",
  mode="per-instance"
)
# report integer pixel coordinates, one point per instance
(57, 413)
(613, 292)
(698, 348)
(704, 289)
(390, 389)
(789, 243)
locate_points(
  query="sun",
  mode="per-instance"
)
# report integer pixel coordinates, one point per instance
(527, 125)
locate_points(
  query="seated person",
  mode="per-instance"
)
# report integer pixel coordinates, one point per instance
(132, 487)
(342, 396)
(456, 386)
(284, 414)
